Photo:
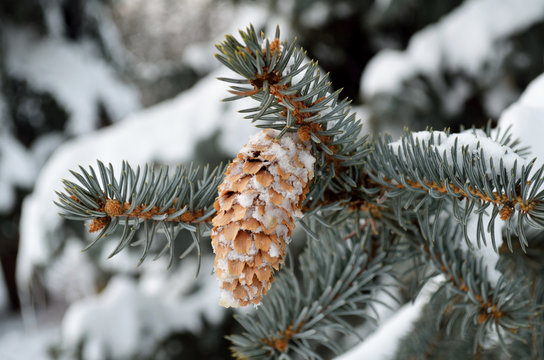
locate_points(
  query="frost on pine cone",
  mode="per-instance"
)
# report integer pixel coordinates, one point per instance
(258, 201)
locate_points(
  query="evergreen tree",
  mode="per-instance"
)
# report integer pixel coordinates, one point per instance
(372, 209)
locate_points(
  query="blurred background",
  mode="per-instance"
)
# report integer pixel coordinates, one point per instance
(135, 80)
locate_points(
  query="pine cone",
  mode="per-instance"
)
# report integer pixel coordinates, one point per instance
(260, 197)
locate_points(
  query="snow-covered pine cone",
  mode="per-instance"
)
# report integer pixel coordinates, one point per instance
(258, 201)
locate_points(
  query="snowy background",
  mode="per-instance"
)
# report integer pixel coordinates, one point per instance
(136, 80)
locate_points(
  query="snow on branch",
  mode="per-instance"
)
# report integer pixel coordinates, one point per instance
(463, 40)
(472, 170)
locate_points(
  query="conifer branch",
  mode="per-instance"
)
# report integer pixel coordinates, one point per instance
(139, 197)
(307, 105)
(297, 315)
(473, 181)
(295, 97)
(504, 308)
(440, 338)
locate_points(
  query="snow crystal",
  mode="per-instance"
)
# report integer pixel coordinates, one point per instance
(222, 264)
(227, 299)
(274, 251)
(308, 160)
(282, 231)
(222, 239)
(234, 255)
(269, 220)
(462, 40)
(246, 198)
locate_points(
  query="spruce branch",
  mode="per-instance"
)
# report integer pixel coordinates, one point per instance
(503, 308)
(355, 172)
(337, 278)
(295, 97)
(139, 199)
(471, 180)
(440, 338)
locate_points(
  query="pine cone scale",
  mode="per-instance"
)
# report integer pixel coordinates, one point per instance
(258, 202)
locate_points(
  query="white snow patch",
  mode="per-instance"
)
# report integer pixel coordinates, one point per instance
(227, 299)
(129, 318)
(462, 40)
(108, 31)
(19, 165)
(17, 343)
(382, 344)
(71, 277)
(274, 251)
(17, 168)
(200, 57)
(485, 248)
(526, 119)
(73, 73)
(384, 307)
(119, 323)
(386, 72)
(246, 198)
